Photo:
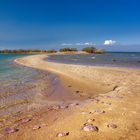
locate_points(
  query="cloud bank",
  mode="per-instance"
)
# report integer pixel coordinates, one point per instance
(78, 44)
(109, 42)
(66, 44)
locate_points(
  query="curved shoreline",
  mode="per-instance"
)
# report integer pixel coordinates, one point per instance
(121, 104)
(107, 75)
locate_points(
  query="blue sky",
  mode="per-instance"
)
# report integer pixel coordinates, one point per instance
(49, 24)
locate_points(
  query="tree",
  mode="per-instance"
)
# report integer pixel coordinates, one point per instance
(68, 50)
(91, 49)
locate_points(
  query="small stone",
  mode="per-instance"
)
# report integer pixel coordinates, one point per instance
(63, 107)
(62, 134)
(36, 127)
(25, 120)
(99, 111)
(112, 125)
(90, 120)
(90, 127)
(73, 104)
(10, 130)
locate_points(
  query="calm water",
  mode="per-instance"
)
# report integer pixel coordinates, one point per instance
(18, 84)
(9, 70)
(131, 60)
(12, 73)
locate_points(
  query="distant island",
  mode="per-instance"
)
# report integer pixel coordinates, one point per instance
(90, 49)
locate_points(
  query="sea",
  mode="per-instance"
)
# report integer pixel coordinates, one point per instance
(110, 59)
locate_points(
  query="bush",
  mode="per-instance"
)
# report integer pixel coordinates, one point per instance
(28, 51)
(68, 50)
(89, 49)
(51, 51)
(93, 49)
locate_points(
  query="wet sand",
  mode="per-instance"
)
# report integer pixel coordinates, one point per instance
(107, 98)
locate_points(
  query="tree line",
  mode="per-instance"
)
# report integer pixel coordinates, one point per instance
(89, 49)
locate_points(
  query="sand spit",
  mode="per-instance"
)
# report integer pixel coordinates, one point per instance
(110, 113)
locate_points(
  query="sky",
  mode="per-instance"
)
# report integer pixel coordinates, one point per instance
(53, 24)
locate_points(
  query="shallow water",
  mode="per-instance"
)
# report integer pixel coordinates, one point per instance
(24, 89)
(131, 60)
(19, 85)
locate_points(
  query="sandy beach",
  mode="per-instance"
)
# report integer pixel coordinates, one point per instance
(93, 102)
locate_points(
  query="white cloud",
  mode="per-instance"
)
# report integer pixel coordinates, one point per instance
(79, 44)
(85, 44)
(66, 44)
(88, 43)
(109, 42)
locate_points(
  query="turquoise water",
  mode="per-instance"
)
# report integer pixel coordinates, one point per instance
(12, 73)
(19, 85)
(8, 69)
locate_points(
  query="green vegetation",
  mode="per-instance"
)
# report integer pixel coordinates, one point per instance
(68, 50)
(28, 51)
(51, 51)
(93, 49)
(90, 49)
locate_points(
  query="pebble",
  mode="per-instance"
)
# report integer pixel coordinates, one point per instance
(57, 107)
(90, 120)
(63, 107)
(90, 127)
(25, 120)
(84, 113)
(36, 127)
(112, 125)
(73, 104)
(10, 130)
(99, 111)
(62, 134)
